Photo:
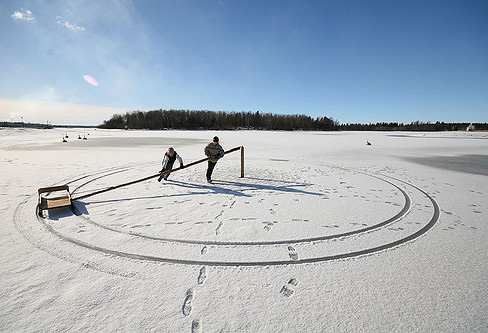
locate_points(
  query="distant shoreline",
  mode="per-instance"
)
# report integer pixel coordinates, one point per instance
(8, 124)
(378, 127)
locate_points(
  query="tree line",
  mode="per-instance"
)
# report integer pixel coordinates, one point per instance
(26, 125)
(220, 120)
(416, 126)
(195, 120)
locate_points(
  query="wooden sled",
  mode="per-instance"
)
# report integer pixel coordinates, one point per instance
(55, 201)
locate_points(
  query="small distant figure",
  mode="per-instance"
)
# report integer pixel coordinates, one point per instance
(168, 160)
(84, 137)
(368, 143)
(64, 140)
(79, 136)
(214, 152)
(66, 136)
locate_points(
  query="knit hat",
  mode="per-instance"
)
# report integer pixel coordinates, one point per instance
(216, 139)
(171, 150)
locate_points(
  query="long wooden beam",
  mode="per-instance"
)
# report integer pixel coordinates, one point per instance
(149, 177)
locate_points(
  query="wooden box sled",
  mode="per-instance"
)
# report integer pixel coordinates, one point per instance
(54, 201)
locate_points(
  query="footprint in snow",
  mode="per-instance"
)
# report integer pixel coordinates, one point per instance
(218, 231)
(203, 275)
(196, 326)
(288, 290)
(294, 282)
(187, 307)
(292, 253)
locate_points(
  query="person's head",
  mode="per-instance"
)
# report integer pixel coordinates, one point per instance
(215, 139)
(171, 151)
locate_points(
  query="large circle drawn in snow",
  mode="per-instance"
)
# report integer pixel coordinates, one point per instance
(134, 239)
(250, 211)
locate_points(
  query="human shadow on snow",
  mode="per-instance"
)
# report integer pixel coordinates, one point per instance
(218, 187)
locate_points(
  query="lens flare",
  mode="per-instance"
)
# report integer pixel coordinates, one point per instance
(91, 80)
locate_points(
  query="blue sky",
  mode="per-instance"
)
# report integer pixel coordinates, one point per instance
(356, 61)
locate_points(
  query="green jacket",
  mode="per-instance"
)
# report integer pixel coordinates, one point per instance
(214, 151)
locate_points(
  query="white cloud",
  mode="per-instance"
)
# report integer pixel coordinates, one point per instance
(55, 113)
(68, 25)
(23, 16)
(43, 94)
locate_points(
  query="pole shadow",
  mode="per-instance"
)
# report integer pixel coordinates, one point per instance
(217, 187)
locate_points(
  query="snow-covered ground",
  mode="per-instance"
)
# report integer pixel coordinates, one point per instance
(323, 234)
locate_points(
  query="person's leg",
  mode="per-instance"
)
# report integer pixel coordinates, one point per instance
(211, 166)
(169, 166)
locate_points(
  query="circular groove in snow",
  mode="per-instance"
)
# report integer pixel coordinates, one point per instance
(100, 247)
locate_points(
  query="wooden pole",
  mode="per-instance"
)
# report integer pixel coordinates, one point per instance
(149, 177)
(242, 161)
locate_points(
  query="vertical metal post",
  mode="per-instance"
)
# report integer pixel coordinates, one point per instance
(242, 161)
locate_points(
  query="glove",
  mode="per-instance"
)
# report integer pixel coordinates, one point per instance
(181, 166)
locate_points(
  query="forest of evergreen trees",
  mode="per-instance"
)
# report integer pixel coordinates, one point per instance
(194, 120)
(414, 126)
(212, 120)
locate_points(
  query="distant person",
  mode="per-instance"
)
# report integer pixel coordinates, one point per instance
(214, 152)
(168, 160)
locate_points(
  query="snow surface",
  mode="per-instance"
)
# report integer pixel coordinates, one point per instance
(323, 234)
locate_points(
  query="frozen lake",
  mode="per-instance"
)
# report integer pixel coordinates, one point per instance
(324, 233)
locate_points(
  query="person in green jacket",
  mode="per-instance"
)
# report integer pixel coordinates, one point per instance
(214, 152)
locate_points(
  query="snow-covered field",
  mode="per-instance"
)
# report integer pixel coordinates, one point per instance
(323, 234)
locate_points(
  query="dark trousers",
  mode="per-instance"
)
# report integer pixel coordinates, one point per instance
(211, 166)
(169, 166)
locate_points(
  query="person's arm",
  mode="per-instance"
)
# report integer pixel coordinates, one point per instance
(222, 152)
(165, 161)
(207, 151)
(179, 160)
